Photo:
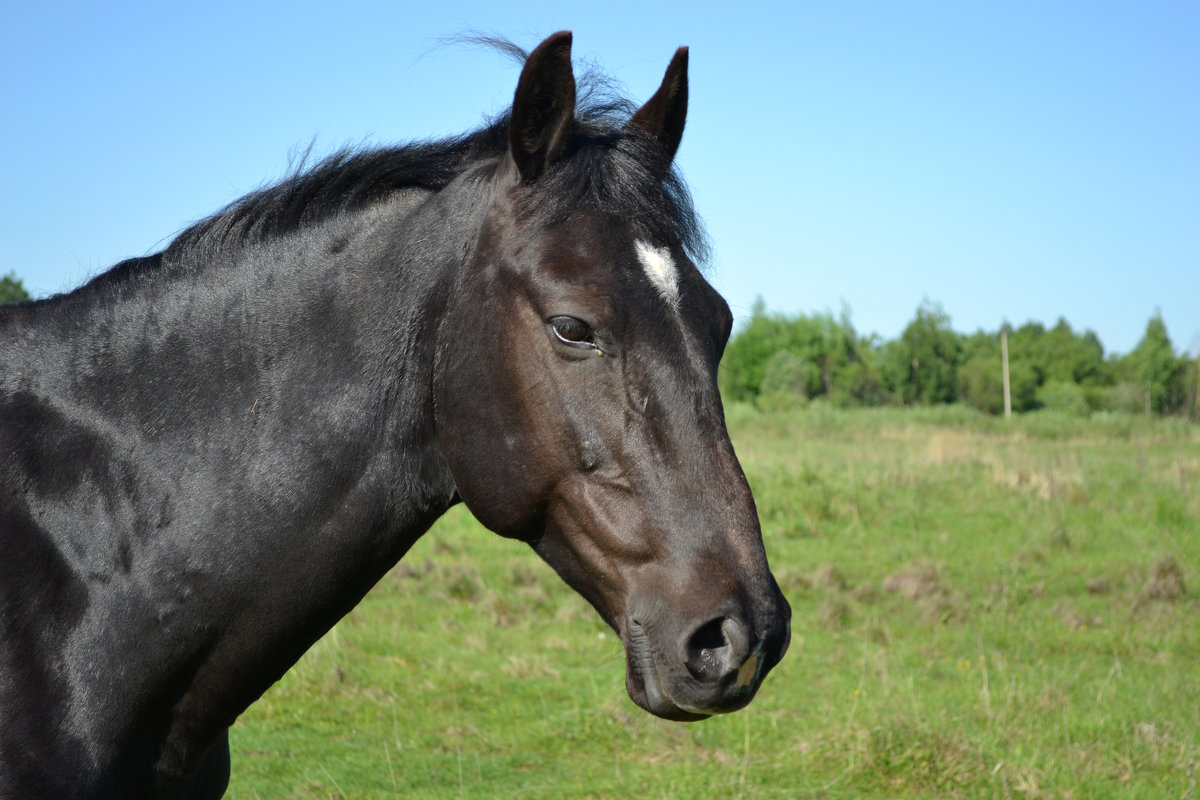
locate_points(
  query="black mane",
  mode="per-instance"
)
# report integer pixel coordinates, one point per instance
(609, 167)
(343, 182)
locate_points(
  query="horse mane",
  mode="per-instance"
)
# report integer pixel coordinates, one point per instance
(606, 167)
(340, 183)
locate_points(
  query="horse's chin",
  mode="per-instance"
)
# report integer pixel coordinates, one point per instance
(656, 704)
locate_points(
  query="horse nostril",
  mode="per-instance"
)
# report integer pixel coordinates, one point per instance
(709, 636)
(716, 648)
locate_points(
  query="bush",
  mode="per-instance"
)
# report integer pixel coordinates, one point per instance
(1063, 397)
(1125, 398)
(981, 385)
(788, 373)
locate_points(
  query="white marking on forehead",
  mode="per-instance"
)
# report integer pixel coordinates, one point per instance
(660, 268)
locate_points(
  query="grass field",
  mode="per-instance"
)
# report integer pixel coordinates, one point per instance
(983, 609)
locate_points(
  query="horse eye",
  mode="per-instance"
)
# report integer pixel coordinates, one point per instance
(573, 331)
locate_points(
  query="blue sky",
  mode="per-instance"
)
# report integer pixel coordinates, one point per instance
(1012, 161)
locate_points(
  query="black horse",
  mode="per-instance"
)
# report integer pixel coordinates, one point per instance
(209, 455)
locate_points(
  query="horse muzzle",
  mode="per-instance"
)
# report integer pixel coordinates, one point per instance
(713, 668)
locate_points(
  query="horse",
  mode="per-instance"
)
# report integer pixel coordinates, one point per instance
(210, 454)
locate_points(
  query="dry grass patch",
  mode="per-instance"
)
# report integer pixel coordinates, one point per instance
(1165, 581)
(920, 582)
(1054, 484)
(829, 577)
(915, 581)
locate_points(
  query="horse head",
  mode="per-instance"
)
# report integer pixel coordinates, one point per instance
(580, 411)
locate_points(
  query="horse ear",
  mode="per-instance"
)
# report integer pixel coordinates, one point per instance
(664, 114)
(543, 108)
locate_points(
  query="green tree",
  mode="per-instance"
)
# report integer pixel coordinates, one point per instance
(788, 373)
(931, 349)
(854, 379)
(980, 374)
(748, 353)
(808, 356)
(980, 383)
(1070, 357)
(11, 289)
(1155, 368)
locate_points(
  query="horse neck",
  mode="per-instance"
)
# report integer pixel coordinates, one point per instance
(278, 388)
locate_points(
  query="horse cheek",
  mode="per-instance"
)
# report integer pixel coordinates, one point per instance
(490, 451)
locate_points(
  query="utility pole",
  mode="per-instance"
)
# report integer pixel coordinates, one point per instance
(1007, 390)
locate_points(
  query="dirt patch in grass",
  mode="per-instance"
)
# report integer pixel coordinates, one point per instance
(1165, 582)
(830, 577)
(920, 582)
(833, 615)
(915, 581)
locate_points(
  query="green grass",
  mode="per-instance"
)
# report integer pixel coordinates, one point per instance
(983, 608)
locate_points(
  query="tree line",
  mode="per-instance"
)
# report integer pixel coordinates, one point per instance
(780, 360)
